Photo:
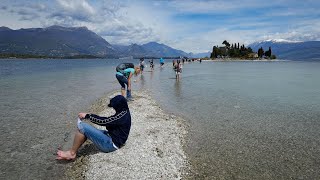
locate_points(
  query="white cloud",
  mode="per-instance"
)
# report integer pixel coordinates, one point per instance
(112, 20)
(171, 22)
(78, 10)
(215, 6)
(76, 6)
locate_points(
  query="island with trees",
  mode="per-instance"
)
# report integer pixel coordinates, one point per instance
(235, 51)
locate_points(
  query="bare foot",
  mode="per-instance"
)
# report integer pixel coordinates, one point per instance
(65, 155)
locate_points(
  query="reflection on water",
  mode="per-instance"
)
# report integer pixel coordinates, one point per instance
(142, 80)
(151, 74)
(177, 88)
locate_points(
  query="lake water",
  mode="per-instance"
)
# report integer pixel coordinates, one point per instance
(248, 120)
(39, 103)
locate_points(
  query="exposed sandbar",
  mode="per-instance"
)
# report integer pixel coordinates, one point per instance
(154, 149)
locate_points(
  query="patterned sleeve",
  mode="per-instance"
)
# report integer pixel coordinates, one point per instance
(104, 121)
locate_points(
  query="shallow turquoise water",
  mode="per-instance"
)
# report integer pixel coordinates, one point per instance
(248, 120)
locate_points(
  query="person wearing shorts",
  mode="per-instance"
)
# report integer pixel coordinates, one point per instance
(114, 137)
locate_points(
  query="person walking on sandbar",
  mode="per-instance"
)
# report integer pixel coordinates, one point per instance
(124, 74)
(161, 62)
(114, 137)
(141, 64)
(151, 64)
(178, 69)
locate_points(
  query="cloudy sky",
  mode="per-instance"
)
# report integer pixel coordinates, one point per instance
(189, 25)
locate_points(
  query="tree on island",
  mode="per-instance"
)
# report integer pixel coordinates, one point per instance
(268, 53)
(260, 52)
(215, 52)
(226, 43)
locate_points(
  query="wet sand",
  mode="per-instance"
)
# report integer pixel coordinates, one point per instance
(154, 149)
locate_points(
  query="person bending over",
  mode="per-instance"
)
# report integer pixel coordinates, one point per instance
(111, 139)
(124, 74)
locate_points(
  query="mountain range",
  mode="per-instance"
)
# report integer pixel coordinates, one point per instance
(54, 41)
(58, 41)
(291, 50)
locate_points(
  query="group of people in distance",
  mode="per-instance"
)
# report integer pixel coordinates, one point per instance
(117, 126)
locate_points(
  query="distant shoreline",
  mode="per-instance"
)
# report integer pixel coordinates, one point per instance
(203, 59)
(255, 60)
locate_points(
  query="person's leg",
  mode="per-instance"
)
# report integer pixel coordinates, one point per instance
(123, 81)
(100, 138)
(79, 139)
(129, 97)
(141, 69)
(123, 92)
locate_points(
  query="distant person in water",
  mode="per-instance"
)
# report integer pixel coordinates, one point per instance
(141, 64)
(178, 69)
(174, 62)
(111, 139)
(124, 74)
(161, 62)
(151, 65)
